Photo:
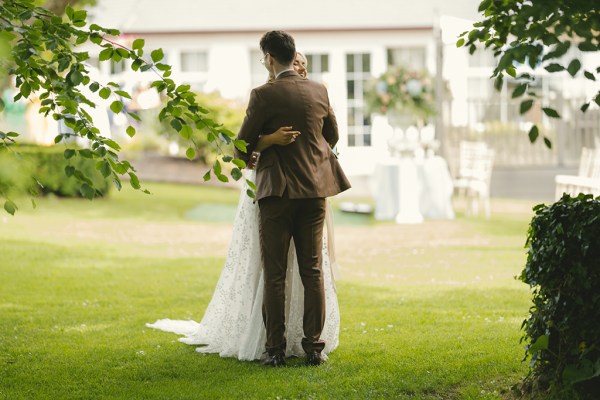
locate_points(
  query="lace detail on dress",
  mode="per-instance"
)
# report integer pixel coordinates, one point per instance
(232, 324)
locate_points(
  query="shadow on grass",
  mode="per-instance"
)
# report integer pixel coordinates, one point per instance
(218, 212)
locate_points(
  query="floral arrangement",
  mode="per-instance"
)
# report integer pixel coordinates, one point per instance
(400, 91)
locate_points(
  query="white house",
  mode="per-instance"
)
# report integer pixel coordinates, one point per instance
(214, 46)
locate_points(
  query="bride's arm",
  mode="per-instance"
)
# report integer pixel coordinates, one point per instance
(281, 137)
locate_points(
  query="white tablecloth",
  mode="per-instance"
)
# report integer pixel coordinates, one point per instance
(410, 189)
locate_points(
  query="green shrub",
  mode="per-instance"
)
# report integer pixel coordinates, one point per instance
(563, 269)
(31, 169)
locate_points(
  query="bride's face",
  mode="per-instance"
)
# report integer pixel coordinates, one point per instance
(300, 65)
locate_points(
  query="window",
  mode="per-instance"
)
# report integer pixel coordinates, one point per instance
(258, 73)
(117, 68)
(482, 58)
(409, 57)
(194, 61)
(358, 72)
(317, 65)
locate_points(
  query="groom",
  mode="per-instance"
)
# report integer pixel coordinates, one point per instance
(292, 184)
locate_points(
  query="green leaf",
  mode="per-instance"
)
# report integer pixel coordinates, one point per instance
(117, 182)
(123, 93)
(484, 5)
(106, 54)
(460, 42)
(206, 176)
(134, 116)
(70, 12)
(589, 75)
(75, 77)
(597, 99)
(25, 89)
(574, 67)
(130, 131)
(551, 112)
(68, 153)
(105, 169)
(10, 207)
(87, 191)
(163, 67)
(533, 133)
(87, 153)
(136, 64)
(239, 163)
(69, 170)
(123, 53)
(223, 178)
(138, 44)
(240, 145)
(525, 106)
(584, 107)
(105, 93)
(186, 131)
(190, 153)
(520, 90)
(251, 193)
(236, 174)
(157, 55)
(498, 82)
(94, 86)
(224, 138)
(541, 343)
(176, 124)
(112, 144)
(116, 106)
(587, 46)
(227, 158)
(95, 38)
(79, 16)
(511, 70)
(554, 67)
(251, 184)
(548, 143)
(134, 181)
(217, 168)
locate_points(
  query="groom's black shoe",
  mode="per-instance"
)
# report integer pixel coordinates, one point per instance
(314, 358)
(277, 360)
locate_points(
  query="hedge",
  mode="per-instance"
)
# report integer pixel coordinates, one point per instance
(40, 170)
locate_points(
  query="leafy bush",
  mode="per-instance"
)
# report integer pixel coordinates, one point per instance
(42, 170)
(230, 113)
(563, 329)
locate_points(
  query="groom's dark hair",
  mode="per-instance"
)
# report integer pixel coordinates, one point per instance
(280, 45)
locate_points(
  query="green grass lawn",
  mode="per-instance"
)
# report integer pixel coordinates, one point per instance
(429, 311)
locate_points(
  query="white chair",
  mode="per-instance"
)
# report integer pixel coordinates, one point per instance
(586, 181)
(476, 161)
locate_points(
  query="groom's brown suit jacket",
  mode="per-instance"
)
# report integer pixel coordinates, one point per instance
(307, 168)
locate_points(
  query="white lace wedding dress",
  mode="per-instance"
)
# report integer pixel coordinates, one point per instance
(232, 324)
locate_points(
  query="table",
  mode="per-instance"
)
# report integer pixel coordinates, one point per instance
(411, 189)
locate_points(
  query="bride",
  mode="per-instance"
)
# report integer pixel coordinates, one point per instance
(232, 325)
